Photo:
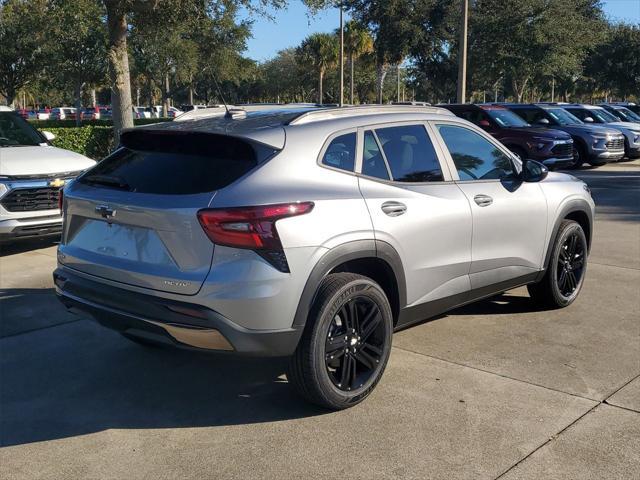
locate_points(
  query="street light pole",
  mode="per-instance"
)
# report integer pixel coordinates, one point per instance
(462, 54)
(341, 57)
(398, 94)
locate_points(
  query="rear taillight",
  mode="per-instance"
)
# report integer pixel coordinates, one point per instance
(252, 228)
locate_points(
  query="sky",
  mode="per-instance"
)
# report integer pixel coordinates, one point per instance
(289, 27)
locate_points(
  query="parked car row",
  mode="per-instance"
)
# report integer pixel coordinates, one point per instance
(559, 134)
(98, 112)
(157, 111)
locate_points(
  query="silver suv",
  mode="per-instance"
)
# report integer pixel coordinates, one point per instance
(313, 233)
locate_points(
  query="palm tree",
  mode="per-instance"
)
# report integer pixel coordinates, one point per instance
(320, 52)
(357, 42)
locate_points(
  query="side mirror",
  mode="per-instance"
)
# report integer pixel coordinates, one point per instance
(588, 120)
(543, 121)
(533, 171)
(49, 136)
(484, 124)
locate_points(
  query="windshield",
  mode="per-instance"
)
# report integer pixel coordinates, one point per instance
(627, 115)
(506, 119)
(14, 131)
(602, 115)
(563, 117)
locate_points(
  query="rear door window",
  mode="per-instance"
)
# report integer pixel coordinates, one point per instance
(410, 154)
(341, 152)
(176, 164)
(373, 164)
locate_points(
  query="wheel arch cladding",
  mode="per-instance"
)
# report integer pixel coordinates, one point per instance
(374, 259)
(577, 210)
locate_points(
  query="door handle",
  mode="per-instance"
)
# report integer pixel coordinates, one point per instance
(483, 200)
(394, 209)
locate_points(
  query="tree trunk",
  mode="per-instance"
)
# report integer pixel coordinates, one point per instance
(320, 76)
(11, 96)
(351, 80)
(518, 89)
(150, 86)
(165, 96)
(191, 91)
(78, 97)
(119, 68)
(381, 72)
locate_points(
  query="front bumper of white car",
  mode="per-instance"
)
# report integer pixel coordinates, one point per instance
(29, 207)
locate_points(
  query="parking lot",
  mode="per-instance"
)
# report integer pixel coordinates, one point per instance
(498, 389)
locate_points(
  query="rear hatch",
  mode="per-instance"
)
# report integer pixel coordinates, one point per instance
(133, 217)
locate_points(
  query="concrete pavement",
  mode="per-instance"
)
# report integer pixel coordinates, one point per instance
(498, 389)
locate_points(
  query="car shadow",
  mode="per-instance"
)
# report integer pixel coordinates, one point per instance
(15, 247)
(79, 378)
(503, 304)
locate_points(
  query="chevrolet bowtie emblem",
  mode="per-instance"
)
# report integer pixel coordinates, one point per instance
(105, 212)
(57, 183)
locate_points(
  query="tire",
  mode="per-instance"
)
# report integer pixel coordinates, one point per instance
(579, 155)
(567, 268)
(337, 366)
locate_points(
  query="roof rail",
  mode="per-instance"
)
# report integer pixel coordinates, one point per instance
(237, 109)
(342, 112)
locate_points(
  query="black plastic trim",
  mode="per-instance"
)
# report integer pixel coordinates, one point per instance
(575, 205)
(344, 253)
(126, 312)
(412, 315)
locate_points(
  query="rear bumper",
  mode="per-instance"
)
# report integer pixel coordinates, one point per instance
(180, 324)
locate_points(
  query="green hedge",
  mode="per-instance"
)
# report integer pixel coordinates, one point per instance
(48, 124)
(95, 142)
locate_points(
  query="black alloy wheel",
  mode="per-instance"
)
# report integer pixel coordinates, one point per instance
(571, 261)
(579, 156)
(346, 342)
(565, 274)
(355, 343)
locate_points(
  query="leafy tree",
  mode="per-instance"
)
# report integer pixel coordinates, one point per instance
(77, 45)
(614, 65)
(319, 51)
(357, 42)
(394, 28)
(23, 24)
(519, 39)
(162, 47)
(119, 13)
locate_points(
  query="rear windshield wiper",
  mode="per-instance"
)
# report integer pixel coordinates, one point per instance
(107, 181)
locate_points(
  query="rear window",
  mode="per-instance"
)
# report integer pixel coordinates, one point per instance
(176, 164)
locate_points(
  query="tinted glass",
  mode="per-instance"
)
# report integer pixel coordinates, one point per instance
(175, 165)
(563, 117)
(531, 115)
(506, 119)
(473, 115)
(373, 163)
(475, 157)
(410, 154)
(15, 131)
(341, 152)
(627, 115)
(603, 115)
